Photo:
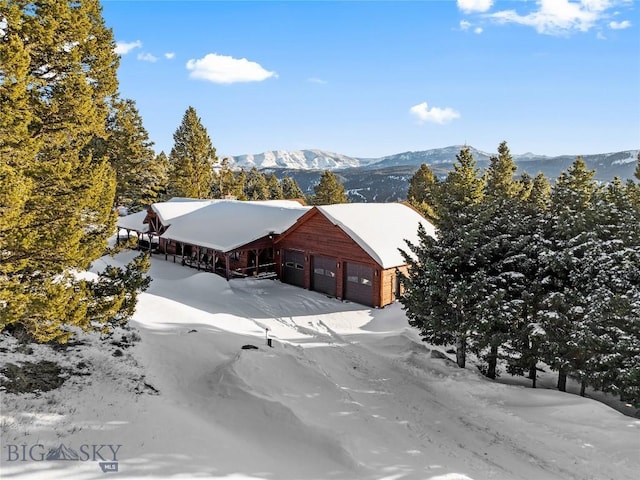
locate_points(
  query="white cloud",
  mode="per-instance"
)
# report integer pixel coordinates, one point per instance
(478, 30)
(468, 6)
(464, 25)
(147, 57)
(434, 114)
(122, 48)
(559, 17)
(224, 69)
(169, 55)
(317, 80)
(619, 25)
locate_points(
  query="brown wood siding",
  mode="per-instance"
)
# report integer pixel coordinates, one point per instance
(316, 235)
(388, 291)
(322, 237)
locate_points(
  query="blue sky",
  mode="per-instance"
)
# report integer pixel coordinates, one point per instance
(368, 79)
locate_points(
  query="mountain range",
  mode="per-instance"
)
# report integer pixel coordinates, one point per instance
(385, 179)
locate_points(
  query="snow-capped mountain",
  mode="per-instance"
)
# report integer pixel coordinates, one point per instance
(387, 179)
(433, 156)
(606, 164)
(298, 160)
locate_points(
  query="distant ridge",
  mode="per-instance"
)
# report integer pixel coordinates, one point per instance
(323, 160)
(385, 179)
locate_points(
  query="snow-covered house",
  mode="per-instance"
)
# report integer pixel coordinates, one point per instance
(134, 222)
(160, 215)
(150, 223)
(227, 236)
(350, 251)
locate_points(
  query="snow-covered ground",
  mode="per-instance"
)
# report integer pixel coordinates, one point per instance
(346, 392)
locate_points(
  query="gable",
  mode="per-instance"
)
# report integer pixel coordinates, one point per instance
(380, 229)
(315, 232)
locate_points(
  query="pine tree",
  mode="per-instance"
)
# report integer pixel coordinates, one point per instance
(500, 181)
(498, 224)
(58, 75)
(423, 192)
(633, 190)
(111, 300)
(290, 189)
(139, 176)
(572, 235)
(540, 193)
(608, 332)
(443, 284)
(192, 157)
(462, 190)
(157, 185)
(275, 188)
(329, 191)
(239, 185)
(17, 149)
(256, 187)
(224, 181)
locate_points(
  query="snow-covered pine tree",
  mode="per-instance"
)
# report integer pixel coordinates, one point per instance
(441, 288)
(572, 233)
(530, 241)
(610, 276)
(507, 258)
(290, 188)
(499, 283)
(275, 187)
(256, 187)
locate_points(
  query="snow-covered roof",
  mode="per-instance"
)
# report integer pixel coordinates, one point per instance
(228, 224)
(379, 228)
(177, 207)
(134, 222)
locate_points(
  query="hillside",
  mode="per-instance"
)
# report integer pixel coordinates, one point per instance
(347, 392)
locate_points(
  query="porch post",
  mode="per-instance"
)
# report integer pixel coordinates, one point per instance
(257, 261)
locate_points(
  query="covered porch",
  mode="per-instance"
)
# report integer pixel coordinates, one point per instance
(255, 259)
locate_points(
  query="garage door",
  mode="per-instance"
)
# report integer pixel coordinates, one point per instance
(358, 285)
(294, 268)
(324, 275)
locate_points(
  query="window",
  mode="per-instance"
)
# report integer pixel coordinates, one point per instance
(361, 274)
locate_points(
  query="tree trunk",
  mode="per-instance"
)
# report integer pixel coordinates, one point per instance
(533, 375)
(562, 381)
(493, 361)
(461, 352)
(583, 387)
